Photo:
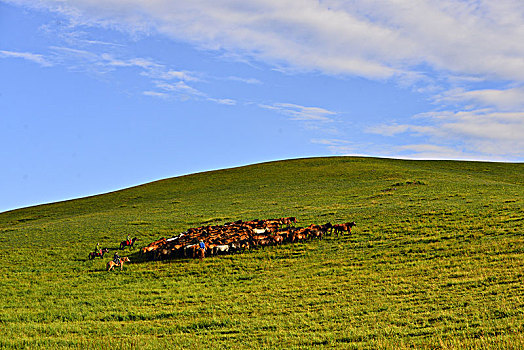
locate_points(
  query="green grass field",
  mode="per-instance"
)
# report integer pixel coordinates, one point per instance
(436, 261)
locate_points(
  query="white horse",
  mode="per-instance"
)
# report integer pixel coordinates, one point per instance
(221, 249)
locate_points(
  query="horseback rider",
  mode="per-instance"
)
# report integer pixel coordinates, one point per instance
(116, 258)
(128, 240)
(98, 250)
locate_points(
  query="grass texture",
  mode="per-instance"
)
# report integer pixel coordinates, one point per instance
(435, 262)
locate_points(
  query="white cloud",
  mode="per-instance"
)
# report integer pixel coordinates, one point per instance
(156, 94)
(430, 151)
(396, 129)
(388, 130)
(223, 101)
(439, 43)
(81, 60)
(36, 58)
(374, 39)
(146, 64)
(297, 112)
(73, 36)
(103, 62)
(180, 88)
(245, 80)
(182, 91)
(180, 75)
(484, 132)
(336, 146)
(506, 99)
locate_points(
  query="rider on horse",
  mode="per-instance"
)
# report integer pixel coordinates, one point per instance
(116, 258)
(98, 249)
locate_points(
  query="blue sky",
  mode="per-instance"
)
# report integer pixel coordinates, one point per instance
(97, 96)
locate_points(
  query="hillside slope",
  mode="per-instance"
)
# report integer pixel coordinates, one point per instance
(434, 261)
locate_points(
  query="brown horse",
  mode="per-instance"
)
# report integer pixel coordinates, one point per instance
(129, 244)
(100, 254)
(154, 245)
(111, 264)
(289, 221)
(343, 227)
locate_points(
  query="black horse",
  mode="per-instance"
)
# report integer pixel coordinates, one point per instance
(99, 254)
(129, 244)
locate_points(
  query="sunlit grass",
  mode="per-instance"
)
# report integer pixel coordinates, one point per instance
(434, 262)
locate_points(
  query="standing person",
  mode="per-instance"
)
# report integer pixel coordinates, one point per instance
(202, 248)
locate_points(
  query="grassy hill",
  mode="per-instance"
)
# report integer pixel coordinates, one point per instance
(435, 261)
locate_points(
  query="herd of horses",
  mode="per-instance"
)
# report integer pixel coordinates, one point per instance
(236, 237)
(229, 238)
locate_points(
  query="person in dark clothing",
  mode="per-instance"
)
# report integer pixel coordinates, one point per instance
(116, 258)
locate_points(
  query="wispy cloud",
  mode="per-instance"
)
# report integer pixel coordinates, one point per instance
(336, 146)
(180, 87)
(504, 99)
(170, 83)
(442, 49)
(175, 75)
(302, 113)
(29, 56)
(156, 94)
(483, 132)
(245, 80)
(182, 91)
(147, 64)
(431, 151)
(365, 38)
(223, 101)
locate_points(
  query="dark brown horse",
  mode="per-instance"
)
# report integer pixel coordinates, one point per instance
(341, 228)
(349, 226)
(99, 254)
(289, 221)
(129, 244)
